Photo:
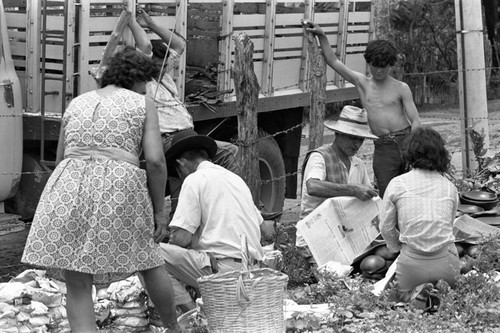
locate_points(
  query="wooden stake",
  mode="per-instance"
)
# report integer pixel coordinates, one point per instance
(247, 92)
(317, 76)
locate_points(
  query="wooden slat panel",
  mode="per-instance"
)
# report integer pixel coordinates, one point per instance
(289, 31)
(19, 36)
(293, 53)
(14, 3)
(287, 73)
(355, 49)
(326, 18)
(357, 28)
(257, 20)
(54, 52)
(55, 23)
(21, 63)
(357, 38)
(54, 66)
(15, 20)
(288, 42)
(18, 49)
(355, 17)
(167, 2)
(289, 19)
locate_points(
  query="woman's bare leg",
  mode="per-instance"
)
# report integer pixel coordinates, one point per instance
(159, 288)
(79, 303)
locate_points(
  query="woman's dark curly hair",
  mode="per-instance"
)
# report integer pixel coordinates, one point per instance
(127, 67)
(424, 149)
(381, 53)
(159, 49)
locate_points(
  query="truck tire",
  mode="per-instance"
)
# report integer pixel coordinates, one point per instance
(272, 174)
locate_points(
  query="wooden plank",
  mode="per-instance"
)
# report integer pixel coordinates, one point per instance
(288, 42)
(16, 20)
(17, 36)
(326, 18)
(318, 92)
(249, 20)
(340, 51)
(289, 19)
(288, 74)
(247, 93)
(55, 23)
(33, 97)
(359, 17)
(224, 76)
(85, 81)
(279, 54)
(18, 49)
(181, 28)
(354, 39)
(269, 44)
(304, 63)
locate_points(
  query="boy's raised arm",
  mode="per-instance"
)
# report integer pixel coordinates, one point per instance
(330, 58)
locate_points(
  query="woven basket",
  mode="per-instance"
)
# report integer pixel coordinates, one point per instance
(245, 301)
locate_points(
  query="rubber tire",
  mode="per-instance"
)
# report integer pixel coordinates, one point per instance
(271, 166)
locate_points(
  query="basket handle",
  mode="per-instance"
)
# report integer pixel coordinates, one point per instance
(244, 253)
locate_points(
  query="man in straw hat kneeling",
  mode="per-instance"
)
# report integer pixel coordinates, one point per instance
(215, 207)
(332, 170)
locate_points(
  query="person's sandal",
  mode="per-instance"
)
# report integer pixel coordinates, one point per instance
(424, 298)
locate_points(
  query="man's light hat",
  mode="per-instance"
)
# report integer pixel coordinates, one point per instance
(352, 121)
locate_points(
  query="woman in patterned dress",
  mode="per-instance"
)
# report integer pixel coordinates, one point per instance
(100, 215)
(418, 215)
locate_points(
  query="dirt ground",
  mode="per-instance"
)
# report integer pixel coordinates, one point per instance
(445, 119)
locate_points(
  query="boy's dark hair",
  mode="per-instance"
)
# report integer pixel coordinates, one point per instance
(424, 149)
(127, 67)
(381, 53)
(159, 49)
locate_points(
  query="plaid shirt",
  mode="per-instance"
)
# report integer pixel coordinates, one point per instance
(419, 210)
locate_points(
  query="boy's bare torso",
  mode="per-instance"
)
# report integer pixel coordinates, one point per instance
(384, 105)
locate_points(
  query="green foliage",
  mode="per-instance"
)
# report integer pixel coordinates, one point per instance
(472, 306)
(424, 33)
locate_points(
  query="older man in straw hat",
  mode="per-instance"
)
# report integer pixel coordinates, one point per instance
(215, 208)
(332, 170)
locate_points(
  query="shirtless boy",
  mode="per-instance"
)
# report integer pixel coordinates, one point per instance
(392, 114)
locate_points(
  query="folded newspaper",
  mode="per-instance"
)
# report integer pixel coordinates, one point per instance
(340, 229)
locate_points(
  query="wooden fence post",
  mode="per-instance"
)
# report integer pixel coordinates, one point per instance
(317, 75)
(247, 93)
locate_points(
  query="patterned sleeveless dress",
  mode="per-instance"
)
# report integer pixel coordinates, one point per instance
(95, 214)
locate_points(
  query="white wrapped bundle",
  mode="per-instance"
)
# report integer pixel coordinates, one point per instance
(8, 311)
(62, 327)
(6, 323)
(102, 310)
(10, 292)
(127, 290)
(50, 297)
(132, 322)
(139, 311)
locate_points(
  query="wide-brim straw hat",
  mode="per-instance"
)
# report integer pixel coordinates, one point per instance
(352, 121)
(186, 140)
